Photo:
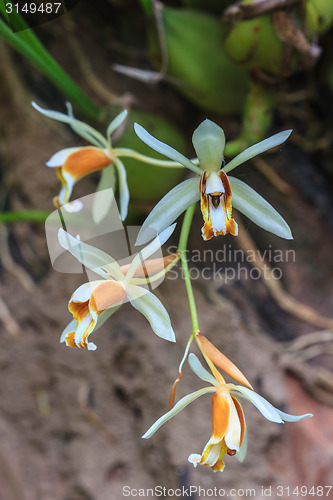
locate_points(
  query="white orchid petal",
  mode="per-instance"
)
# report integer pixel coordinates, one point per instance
(59, 158)
(123, 188)
(116, 122)
(232, 436)
(286, 417)
(149, 250)
(209, 141)
(153, 310)
(164, 149)
(83, 293)
(176, 409)
(71, 327)
(257, 149)
(104, 195)
(200, 370)
(174, 203)
(81, 128)
(90, 257)
(256, 208)
(241, 454)
(265, 408)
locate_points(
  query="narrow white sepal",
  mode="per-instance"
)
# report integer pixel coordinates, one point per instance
(257, 149)
(256, 208)
(154, 311)
(200, 370)
(81, 128)
(174, 203)
(265, 408)
(286, 417)
(116, 122)
(104, 195)
(89, 256)
(209, 141)
(123, 188)
(164, 149)
(182, 403)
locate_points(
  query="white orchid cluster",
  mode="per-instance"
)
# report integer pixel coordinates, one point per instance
(96, 301)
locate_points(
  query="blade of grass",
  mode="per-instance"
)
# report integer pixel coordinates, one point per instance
(27, 44)
(27, 215)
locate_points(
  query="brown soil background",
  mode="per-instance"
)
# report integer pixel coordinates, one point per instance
(71, 420)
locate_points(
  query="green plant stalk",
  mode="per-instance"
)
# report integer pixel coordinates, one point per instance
(28, 215)
(182, 249)
(33, 50)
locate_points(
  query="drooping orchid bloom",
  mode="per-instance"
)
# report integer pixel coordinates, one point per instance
(217, 192)
(94, 302)
(72, 164)
(229, 434)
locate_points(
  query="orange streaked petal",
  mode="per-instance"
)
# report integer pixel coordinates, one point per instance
(220, 417)
(78, 309)
(105, 295)
(85, 161)
(70, 342)
(221, 361)
(151, 266)
(241, 419)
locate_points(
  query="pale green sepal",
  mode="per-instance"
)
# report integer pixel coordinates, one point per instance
(81, 128)
(123, 188)
(71, 327)
(286, 417)
(265, 408)
(90, 257)
(152, 308)
(255, 207)
(149, 250)
(174, 203)
(164, 149)
(104, 195)
(241, 454)
(182, 403)
(209, 141)
(85, 130)
(200, 370)
(116, 122)
(257, 149)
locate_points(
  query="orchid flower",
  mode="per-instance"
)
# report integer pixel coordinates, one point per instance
(229, 434)
(94, 302)
(72, 164)
(217, 191)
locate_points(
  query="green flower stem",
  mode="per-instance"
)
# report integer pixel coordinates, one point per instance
(28, 215)
(182, 249)
(130, 153)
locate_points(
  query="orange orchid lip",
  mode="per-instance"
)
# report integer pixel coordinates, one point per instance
(216, 207)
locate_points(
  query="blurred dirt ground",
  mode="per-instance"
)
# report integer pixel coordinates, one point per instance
(71, 421)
